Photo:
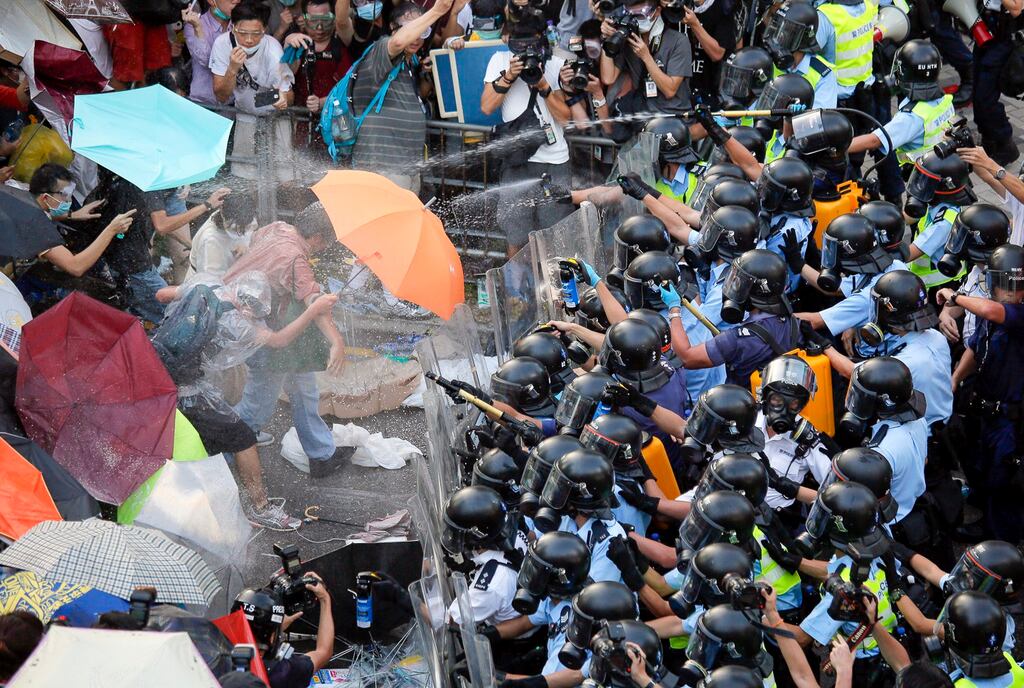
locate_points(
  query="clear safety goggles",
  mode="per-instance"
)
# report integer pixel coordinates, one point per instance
(319, 22)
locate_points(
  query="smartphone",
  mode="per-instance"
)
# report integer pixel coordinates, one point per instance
(265, 98)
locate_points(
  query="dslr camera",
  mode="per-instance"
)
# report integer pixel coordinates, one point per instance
(847, 599)
(625, 24)
(290, 584)
(582, 66)
(957, 136)
(742, 593)
(533, 54)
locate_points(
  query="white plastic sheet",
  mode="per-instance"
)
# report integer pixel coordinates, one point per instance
(373, 450)
(23, 22)
(198, 502)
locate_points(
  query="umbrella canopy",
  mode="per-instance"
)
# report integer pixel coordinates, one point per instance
(115, 559)
(55, 76)
(24, 499)
(22, 22)
(401, 241)
(151, 136)
(99, 11)
(80, 605)
(93, 393)
(114, 659)
(211, 642)
(25, 231)
(238, 631)
(72, 500)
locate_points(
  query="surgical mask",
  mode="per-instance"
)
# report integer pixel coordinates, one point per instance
(62, 209)
(287, 3)
(251, 51)
(489, 35)
(370, 11)
(220, 14)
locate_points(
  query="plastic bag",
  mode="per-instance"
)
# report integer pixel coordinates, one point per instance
(373, 450)
(37, 146)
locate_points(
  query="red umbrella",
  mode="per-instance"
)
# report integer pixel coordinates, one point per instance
(236, 627)
(99, 11)
(58, 74)
(93, 393)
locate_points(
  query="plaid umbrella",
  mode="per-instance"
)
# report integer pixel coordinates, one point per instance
(115, 559)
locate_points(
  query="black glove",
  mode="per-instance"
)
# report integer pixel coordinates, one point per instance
(557, 193)
(783, 485)
(390, 590)
(791, 250)
(642, 562)
(615, 395)
(505, 440)
(635, 187)
(814, 342)
(634, 495)
(715, 131)
(618, 552)
(488, 631)
(531, 435)
(901, 551)
(644, 405)
(784, 558)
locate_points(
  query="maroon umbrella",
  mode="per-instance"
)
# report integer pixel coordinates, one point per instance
(93, 393)
(58, 75)
(99, 11)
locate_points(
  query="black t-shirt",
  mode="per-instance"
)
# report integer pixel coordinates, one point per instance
(718, 21)
(294, 672)
(130, 254)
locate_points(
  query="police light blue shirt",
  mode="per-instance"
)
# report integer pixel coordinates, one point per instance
(932, 240)
(780, 224)
(905, 128)
(822, 627)
(680, 183)
(905, 447)
(826, 37)
(597, 534)
(699, 379)
(826, 91)
(555, 615)
(629, 514)
(927, 355)
(855, 309)
(789, 600)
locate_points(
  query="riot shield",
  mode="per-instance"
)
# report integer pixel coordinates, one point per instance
(640, 157)
(579, 236)
(477, 648)
(512, 289)
(430, 627)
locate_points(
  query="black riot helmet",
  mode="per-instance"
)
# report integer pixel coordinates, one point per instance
(870, 469)
(645, 274)
(538, 466)
(673, 140)
(729, 191)
(880, 388)
(887, 220)
(547, 348)
(975, 626)
(937, 180)
(757, 279)
(748, 137)
(786, 90)
(744, 75)
(733, 677)
(523, 384)
(638, 234)
(722, 516)
(610, 661)
(620, 439)
(726, 637)
(265, 612)
(993, 567)
(602, 601)
(821, 137)
(723, 418)
(659, 323)
(557, 564)
(1006, 272)
(791, 29)
(500, 472)
(591, 313)
(738, 472)
(915, 70)
(786, 186)
(899, 301)
(476, 517)
(581, 481)
(788, 383)
(705, 576)
(632, 352)
(846, 514)
(726, 233)
(977, 231)
(709, 178)
(850, 247)
(581, 397)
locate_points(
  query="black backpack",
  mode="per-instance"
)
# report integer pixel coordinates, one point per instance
(180, 338)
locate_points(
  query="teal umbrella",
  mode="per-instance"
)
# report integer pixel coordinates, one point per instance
(151, 136)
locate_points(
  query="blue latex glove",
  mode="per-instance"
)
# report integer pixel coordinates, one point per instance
(797, 107)
(592, 277)
(669, 296)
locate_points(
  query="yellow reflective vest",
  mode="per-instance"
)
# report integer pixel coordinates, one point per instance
(854, 41)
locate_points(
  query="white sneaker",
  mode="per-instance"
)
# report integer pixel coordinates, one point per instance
(264, 439)
(273, 516)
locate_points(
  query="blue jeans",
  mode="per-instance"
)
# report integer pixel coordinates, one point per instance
(142, 288)
(989, 113)
(262, 390)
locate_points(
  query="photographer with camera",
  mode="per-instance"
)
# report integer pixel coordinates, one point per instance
(270, 613)
(581, 82)
(645, 64)
(524, 83)
(713, 32)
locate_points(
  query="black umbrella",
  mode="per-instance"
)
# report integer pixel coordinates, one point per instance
(73, 502)
(25, 231)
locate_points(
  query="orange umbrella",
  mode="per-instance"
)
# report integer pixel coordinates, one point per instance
(393, 234)
(24, 498)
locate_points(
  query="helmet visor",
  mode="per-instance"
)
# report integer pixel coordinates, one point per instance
(738, 285)
(695, 531)
(1011, 281)
(957, 237)
(710, 230)
(737, 82)
(642, 293)
(790, 375)
(623, 252)
(574, 410)
(704, 425)
(769, 192)
(860, 401)
(513, 393)
(456, 539)
(559, 488)
(809, 135)
(969, 574)
(535, 475)
(703, 647)
(535, 573)
(580, 629)
(710, 206)
(922, 184)
(784, 34)
(819, 516)
(829, 251)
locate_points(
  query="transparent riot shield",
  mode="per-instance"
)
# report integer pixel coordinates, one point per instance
(575, 236)
(512, 289)
(639, 156)
(477, 648)
(434, 639)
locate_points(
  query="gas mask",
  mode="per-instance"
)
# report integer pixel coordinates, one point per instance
(537, 580)
(787, 384)
(831, 274)
(921, 188)
(706, 652)
(736, 295)
(951, 262)
(861, 411)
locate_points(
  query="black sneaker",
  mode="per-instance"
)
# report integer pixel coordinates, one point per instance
(964, 94)
(322, 469)
(1003, 152)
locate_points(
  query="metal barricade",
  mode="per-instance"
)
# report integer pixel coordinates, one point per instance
(512, 290)
(578, 235)
(479, 661)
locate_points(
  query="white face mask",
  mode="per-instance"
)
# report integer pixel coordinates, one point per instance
(251, 51)
(646, 25)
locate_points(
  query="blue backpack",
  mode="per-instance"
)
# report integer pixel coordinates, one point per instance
(180, 338)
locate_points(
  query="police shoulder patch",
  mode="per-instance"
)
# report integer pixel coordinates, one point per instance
(485, 575)
(598, 532)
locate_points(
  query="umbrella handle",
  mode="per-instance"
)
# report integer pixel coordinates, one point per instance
(345, 286)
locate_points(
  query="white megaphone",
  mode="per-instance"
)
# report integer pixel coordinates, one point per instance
(967, 13)
(892, 23)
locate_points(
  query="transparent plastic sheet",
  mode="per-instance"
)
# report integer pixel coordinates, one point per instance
(425, 508)
(477, 648)
(576, 236)
(512, 289)
(640, 157)
(430, 628)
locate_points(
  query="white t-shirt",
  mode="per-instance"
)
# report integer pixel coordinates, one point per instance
(518, 97)
(465, 18)
(14, 312)
(214, 251)
(264, 67)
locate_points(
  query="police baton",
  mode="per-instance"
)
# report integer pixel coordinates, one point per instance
(452, 388)
(737, 114)
(700, 316)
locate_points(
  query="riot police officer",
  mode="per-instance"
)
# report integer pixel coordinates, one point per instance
(523, 384)
(547, 348)
(973, 625)
(538, 466)
(786, 187)
(748, 137)
(868, 468)
(791, 39)
(977, 232)
(580, 400)
(597, 602)
(889, 225)
(725, 636)
(676, 158)
(632, 639)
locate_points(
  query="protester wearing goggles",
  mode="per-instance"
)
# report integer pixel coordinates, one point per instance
(319, 57)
